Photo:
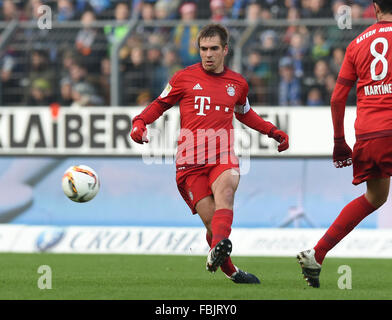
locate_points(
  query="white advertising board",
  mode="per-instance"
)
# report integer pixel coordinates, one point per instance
(105, 131)
(361, 243)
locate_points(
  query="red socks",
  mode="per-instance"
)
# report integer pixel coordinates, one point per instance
(351, 215)
(221, 225)
(221, 228)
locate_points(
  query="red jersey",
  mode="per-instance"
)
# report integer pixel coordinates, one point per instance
(207, 102)
(368, 59)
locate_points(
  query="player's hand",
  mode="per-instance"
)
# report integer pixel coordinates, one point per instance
(281, 137)
(139, 132)
(342, 153)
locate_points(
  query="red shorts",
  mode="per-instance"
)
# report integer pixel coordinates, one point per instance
(372, 159)
(195, 184)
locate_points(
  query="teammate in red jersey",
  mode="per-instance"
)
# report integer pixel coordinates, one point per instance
(207, 172)
(368, 60)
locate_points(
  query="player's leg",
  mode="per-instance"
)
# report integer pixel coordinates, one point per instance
(223, 189)
(206, 208)
(377, 191)
(351, 215)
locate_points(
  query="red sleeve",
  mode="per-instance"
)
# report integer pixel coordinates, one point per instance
(338, 106)
(169, 97)
(344, 83)
(244, 94)
(254, 121)
(347, 74)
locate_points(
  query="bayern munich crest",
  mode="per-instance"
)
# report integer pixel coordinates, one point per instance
(230, 89)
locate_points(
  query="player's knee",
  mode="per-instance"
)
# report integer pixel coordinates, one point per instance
(227, 196)
(382, 199)
(377, 200)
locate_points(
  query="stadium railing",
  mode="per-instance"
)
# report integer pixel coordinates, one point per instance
(271, 40)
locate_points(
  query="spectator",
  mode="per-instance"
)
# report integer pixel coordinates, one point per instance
(318, 79)
(336, 60)
(69, 57)
(90, 42)
(259, 75)
(116, 33)
(41, 77)
(320, 48)
(330, 82)
(362, 3)
(314, 97)
(147, 11)
(134, 40)
(289, 93)
(170, 62)
(147, 15)
(156, 71)
(161, 10)
(314, 9)
(9, 81)
(297, 51)
(85, 95)
(293, 16)
(237, 8)
(336, 8)
(253, 12)
(369, 12)
(185, 35)
(40, 93)
(65, 91)
(274, 8)
(135, 81)
(166, 9)
(321, 71)
(83, 86)
(36, 38)
(218, 11)
(335, 35)
(281, 11)
(100, 7)
(356, 11)
(10, 11)
(78, 72)
(66, 11)
(104, 80)
(268, 39)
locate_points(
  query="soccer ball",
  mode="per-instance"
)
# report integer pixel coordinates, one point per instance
(80, 183)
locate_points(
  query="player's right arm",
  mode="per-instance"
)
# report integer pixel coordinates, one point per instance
(342, 153)
(169, 97)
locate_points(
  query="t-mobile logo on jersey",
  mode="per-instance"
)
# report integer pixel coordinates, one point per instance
(202, 105)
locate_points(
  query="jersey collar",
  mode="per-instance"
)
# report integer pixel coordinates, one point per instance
(213, 73)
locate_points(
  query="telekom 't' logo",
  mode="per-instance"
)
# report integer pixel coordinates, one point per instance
(201, 106)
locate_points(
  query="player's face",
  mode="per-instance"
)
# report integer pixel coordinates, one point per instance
(212, 54)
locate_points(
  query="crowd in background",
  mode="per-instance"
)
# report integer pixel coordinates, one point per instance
(290, 65)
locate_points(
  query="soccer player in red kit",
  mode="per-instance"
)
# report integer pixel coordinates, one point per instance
(368, 60)
(207, 171)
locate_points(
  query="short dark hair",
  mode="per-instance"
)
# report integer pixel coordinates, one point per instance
(385, 5)
(212, 30)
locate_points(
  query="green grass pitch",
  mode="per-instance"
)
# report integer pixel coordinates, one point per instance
(165, 277)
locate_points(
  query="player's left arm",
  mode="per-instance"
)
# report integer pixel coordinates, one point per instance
(342, 153)
(246, 115)
(170, 95)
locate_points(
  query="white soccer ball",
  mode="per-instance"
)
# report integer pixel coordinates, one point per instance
(80, 183)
